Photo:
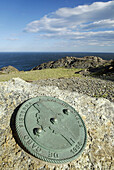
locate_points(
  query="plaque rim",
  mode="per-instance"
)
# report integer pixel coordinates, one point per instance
(43, 158)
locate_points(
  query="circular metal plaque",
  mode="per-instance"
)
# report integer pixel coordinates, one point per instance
(51, 130)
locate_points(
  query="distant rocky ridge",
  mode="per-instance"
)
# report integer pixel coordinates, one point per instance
(74, 62)
(89, 65)
(8, 69)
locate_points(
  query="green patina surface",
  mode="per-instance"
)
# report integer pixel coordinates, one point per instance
(51, 130)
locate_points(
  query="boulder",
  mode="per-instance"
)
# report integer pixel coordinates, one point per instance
(96, 113)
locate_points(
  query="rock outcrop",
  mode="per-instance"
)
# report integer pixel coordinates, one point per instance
(96, 113)
(8, 69)
(104, 71)
(74, 62)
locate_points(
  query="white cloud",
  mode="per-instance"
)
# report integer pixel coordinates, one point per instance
(46, 24)
(84, 23)
(12, 39)
(83, 9)
(107, 23)
(85, 36)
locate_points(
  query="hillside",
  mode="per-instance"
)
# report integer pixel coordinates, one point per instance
(74, 62)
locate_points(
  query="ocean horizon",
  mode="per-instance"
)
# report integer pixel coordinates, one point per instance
(27, 60)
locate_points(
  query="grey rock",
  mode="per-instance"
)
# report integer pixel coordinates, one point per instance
(97, 114)
(74, 62)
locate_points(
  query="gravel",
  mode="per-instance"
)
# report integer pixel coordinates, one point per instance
(93, 87)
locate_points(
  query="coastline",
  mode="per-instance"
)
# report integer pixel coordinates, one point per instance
(27, 60)
(89, 75)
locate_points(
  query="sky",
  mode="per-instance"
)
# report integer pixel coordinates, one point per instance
(56, 26)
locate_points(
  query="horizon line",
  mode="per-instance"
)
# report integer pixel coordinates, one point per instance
(53, 52)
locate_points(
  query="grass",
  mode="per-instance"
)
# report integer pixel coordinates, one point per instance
(105, 95)
(41, 74)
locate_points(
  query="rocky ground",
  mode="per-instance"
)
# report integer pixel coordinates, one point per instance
(93, 87)
(97, 114)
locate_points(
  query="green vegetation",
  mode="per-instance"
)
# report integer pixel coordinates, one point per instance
(105, 95)
(41, 74)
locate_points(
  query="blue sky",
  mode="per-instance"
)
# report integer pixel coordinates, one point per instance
(56, 25)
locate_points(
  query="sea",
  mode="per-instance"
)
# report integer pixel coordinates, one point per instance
(25, 61)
